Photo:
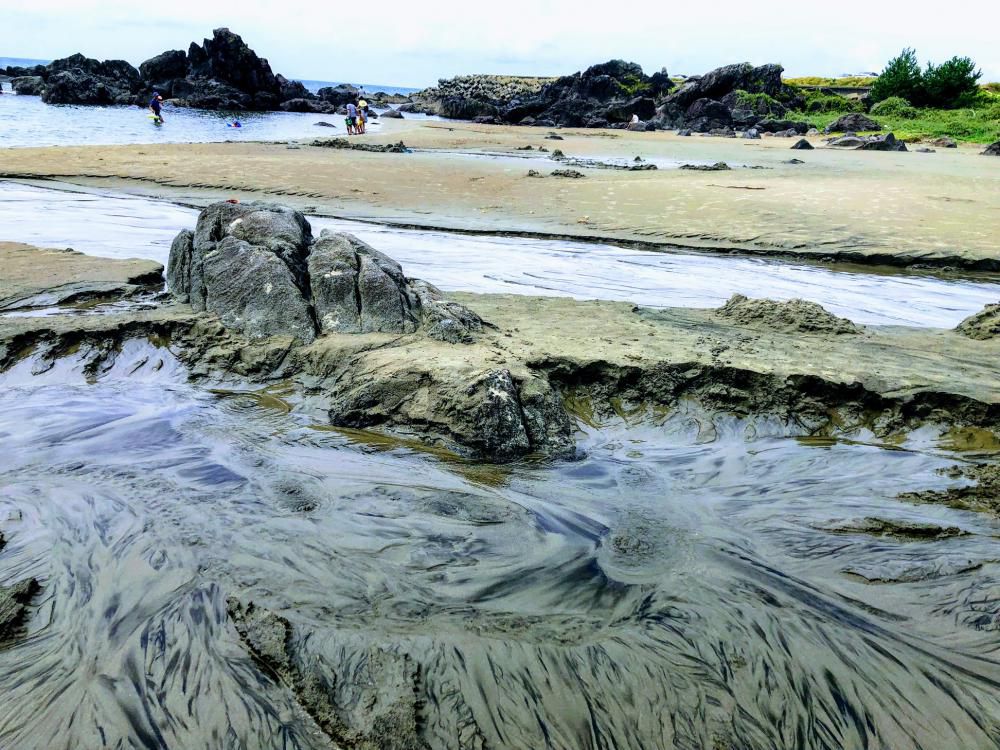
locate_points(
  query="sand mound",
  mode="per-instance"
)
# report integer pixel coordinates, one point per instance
(792, 316)
(985, 324)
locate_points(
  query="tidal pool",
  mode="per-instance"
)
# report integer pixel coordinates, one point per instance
(685, 583)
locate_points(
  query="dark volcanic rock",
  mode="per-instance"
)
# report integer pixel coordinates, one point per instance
(344, 143)
(852, 123)
(81, 80)
(992, 150)
(28, 85)
(163, 68)
(740, 94)
(887, 142)
(340, 95)
(719, 166)
(802, 145)
(776, 126)
(308, 105)
(393, 114)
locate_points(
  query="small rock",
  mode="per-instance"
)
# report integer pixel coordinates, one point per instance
(802, 145)
(570, 173)
(719, 166)
(992, 150)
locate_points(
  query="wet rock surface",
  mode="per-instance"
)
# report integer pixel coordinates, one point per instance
(375, 148)
(985, 324)
(793, 315)
(982, 493)
(257, 267)
(377, 709)
(14, 601)
(898, 529)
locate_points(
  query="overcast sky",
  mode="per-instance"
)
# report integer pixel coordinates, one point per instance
(415, 43)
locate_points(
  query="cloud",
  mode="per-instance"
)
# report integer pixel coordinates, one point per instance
(407, 42)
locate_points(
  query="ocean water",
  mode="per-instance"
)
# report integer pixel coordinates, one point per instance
(26, 121)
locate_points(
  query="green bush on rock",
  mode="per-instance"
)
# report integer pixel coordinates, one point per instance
(895, 106)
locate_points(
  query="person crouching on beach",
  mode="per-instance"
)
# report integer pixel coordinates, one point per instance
(352, 118)
(154, 106)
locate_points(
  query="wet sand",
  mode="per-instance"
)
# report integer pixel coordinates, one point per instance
(65, 274)
(869, 207)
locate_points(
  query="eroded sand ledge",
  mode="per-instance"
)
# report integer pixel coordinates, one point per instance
(865, 207)
(512, 390)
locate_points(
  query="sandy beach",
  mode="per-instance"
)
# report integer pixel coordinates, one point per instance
(869, 207)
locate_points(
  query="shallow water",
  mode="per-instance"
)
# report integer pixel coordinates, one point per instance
(673, 588)
(28, 121)
(121, 226)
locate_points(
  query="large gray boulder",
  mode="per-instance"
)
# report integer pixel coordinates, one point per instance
(257, 267)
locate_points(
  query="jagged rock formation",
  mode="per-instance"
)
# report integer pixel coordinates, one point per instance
(887, 142)
(600, 96)
(257, 267)
(28, 85)
(733, 96)
(221, 73)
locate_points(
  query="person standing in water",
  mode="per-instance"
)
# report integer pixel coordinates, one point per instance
(155, 105)
(362, 114)
(352, 118)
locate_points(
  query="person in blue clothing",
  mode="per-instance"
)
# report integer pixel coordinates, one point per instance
(155, 105)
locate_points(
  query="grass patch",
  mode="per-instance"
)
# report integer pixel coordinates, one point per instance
(969, 125)
(852, 82)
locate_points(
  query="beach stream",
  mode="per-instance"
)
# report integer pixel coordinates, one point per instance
(689, 581)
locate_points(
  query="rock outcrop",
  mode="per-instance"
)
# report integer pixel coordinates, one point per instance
(28, 85)
(221, 73)
(985, 324)
(471, 96)
(992, 150)
(798, 316)
(887, 142)
(733, 96)
(81, 80)
(258, 268)
(852, 123)
(14, 601)
(603, 95)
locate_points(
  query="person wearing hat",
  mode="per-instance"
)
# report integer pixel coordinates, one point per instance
(155, 105)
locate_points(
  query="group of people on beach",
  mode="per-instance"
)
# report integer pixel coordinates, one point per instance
(357, 117)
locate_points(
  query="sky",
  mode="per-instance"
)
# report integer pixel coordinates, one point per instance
(415, 43)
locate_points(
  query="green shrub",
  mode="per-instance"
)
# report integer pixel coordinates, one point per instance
(945, 85)
(901, 77)
(895, 106)
(820, 102)
(760, 103)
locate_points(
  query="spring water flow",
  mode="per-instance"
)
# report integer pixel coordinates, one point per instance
(682, 584)
(662, 591)
(121, 226)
